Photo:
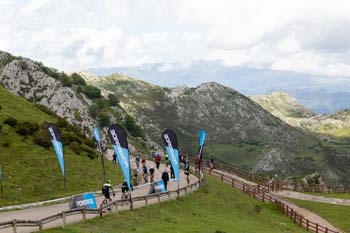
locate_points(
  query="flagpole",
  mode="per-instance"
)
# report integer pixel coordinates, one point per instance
(102, 159)
(64, 177)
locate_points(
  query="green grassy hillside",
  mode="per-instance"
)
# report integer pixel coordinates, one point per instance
(337, 215)
(216, 207)
(31, 171)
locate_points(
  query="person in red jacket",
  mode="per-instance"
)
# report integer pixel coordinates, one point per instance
(157, 160)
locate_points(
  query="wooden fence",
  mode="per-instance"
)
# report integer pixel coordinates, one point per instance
(114, 206)
(282, 185)
(259, 193)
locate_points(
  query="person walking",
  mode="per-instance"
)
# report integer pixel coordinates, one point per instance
(143, 161)
(136, 175)
(166, 156)
(137, 161)
(157, 159)
(172, 174)
(151, 174)
(165, 178)
(187, 171)
(114, 158)
(145, 174)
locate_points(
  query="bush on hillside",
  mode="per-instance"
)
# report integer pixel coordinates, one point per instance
(103, 119)
(92, 92)
(68, 137)
(41, 137)
(75, 147)
(90, 152)
(89, 142)
(113, 100)
(45, 109)
(66, 81)
(133, 128)
(77, 79)
(6, 144)
(11, 121)
(26, 128)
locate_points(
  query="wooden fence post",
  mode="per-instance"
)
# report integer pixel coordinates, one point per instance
(307, 224)
(169, 197)
(117, 208)
(185, 190)
(316, 227)
(131, 204)
(14, 226)
(84, 213)
(222, 177)
(158, 196)
(326, 230)
(146, 200)
(63, 220)
(263, 197)
(41, 227)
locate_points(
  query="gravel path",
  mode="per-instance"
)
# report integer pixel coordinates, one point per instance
(308, 197)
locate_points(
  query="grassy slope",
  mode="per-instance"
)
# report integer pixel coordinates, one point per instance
(31, 173)
(335, 214)
(215, 208)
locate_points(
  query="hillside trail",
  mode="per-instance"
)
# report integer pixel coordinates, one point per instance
(37, 213)
(302, 211)
(308, 197)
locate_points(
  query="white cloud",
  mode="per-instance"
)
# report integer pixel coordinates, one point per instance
(308, 36)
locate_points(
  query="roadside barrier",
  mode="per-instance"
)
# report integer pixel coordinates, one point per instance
(114, 205)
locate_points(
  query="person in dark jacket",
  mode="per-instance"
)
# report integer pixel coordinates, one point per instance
(114, 158)
(172, 174)
(165, 178)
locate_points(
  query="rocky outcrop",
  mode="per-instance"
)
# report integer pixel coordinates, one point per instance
(26, 78)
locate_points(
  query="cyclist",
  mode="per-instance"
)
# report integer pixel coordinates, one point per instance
(105, 190)
(125, 190)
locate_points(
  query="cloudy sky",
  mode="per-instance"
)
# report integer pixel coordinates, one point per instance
(303, 36)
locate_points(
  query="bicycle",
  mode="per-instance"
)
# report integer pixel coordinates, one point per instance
(104, 203)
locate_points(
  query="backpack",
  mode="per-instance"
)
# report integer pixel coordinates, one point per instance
(105, 189)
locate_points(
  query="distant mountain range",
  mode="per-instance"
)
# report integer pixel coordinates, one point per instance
(321, 94)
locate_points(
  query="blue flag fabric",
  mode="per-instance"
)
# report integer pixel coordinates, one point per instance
(119, 142)
(171, 146)
(201, 142)
(97, 135)
(57, 145)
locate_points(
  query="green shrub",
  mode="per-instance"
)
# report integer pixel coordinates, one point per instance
(77, 79)
(89, 142)
(75, 147)
(91, 153)
(103, 119)
(68, 137)
(6, 144)
(133, 128)
(41, 137)
(45, 109)
(26, 128)
(66, 81)
(93, 110)
(92, 92)
(113, 100)
(11, 121)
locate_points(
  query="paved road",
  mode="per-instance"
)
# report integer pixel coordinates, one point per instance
(44, 211)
